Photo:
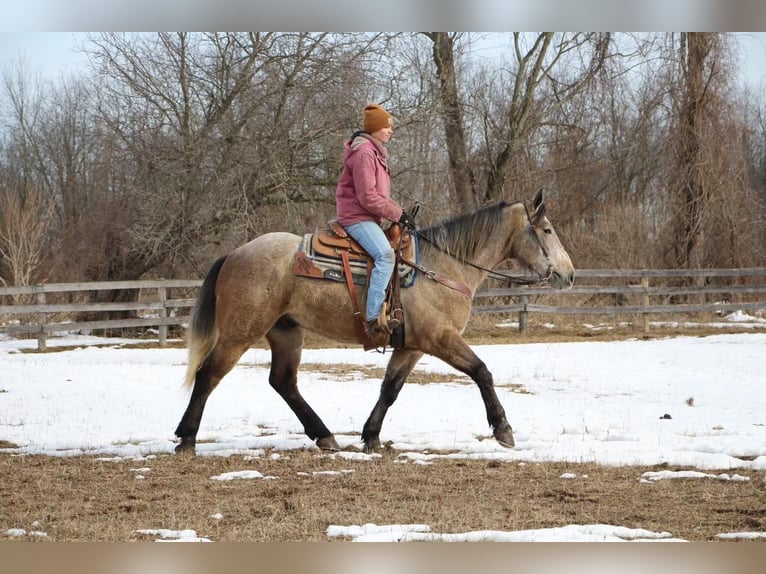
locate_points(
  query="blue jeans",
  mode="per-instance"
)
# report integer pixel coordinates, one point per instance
(370, 235)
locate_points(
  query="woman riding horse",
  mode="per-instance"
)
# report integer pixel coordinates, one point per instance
(363, 200)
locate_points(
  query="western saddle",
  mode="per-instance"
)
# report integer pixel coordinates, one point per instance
(333, 242)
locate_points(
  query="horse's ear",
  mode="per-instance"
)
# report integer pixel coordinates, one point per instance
(538, 206)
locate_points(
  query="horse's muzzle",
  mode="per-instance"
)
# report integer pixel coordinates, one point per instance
(559, 280)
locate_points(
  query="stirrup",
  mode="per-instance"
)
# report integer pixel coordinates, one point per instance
(386, 323)
(377, 328)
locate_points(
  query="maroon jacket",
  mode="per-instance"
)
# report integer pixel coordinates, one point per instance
(364, 187)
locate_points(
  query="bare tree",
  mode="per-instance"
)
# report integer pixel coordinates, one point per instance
(604, 153)
(715, 207)
(549, 73)
(538, 86)
(222, 131)
(172, 101)
(698, 60)
(25, 222)
(463, 180)
(26, 201)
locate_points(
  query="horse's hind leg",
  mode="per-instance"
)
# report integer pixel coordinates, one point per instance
(220, 361)
(286, 341)
(399, 367)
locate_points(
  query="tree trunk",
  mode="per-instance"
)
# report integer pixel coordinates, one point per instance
(695, 50)
(463, 180)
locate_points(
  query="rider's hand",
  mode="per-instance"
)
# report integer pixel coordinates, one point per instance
(407, 221)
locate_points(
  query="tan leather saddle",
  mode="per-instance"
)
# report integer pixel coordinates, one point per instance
(332, 240)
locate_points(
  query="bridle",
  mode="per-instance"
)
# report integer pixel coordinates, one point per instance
(510, 278)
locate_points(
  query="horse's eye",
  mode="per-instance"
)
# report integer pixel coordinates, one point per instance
(548, 231)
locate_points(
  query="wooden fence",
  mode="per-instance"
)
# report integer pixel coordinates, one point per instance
(41, 310)
(643, 292)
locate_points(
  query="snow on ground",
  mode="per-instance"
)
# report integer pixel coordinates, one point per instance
(570, 533)
(741, 320)
(693, 402)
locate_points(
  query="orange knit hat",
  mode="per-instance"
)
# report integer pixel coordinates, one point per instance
(376, 118)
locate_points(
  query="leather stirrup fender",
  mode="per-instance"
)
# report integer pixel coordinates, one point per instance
(359, 322)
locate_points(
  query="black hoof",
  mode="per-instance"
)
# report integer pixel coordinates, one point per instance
(328, 443)
(186, 446)
(372, 446)
(505, 437)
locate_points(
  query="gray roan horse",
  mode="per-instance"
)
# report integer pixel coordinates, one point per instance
(252, 292)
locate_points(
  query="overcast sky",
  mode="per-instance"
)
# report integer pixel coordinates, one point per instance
(404, 15)
(55, 53)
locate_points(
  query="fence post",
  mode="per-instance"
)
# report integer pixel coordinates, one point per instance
(42, 344)
(523, 314)
(645, 301)
(163, 330)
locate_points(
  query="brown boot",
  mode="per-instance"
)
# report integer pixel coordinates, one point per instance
(380, 330)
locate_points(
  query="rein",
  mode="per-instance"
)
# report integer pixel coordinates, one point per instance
(434, 276)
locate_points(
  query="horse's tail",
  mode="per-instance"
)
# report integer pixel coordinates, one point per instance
(202, 334)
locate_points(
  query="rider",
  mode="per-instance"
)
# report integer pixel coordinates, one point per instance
(363, 202)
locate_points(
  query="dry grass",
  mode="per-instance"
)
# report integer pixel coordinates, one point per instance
(84, 499)
(349, 372)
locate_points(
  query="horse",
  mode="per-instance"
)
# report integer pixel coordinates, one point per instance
(253, 292)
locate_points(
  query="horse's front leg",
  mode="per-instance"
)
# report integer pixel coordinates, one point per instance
(399, 367)
(453, 350)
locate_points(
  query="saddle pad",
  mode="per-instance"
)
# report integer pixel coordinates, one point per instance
(310, 264)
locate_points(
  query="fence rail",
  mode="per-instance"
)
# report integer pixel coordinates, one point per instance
(153, 302)
(41, 310)
(631, 293)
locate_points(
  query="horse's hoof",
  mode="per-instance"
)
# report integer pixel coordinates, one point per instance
(186, 447)
(372, 446)
(505, 438)
(328, 443)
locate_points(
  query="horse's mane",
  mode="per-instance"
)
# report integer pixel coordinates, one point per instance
(465, 235)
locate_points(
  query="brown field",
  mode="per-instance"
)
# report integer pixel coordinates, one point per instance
(87, 499)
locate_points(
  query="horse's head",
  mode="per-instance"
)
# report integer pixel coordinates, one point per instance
(538, 248)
